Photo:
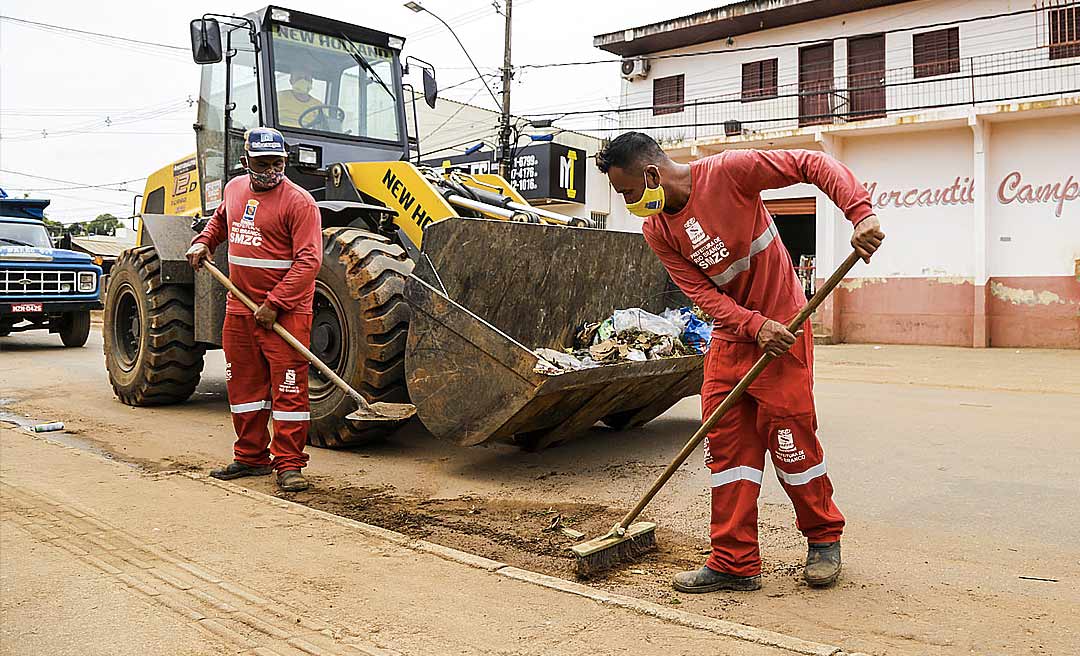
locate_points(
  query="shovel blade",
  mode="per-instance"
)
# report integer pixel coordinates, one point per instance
(383, 412)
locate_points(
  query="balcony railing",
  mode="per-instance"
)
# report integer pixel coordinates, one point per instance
(992, 78)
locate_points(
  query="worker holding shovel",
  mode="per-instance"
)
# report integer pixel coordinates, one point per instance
(275, 241)
(707, 224)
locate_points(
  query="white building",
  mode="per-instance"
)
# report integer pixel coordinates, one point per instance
(962, 118)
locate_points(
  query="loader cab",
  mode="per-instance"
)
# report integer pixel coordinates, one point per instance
(333, 89)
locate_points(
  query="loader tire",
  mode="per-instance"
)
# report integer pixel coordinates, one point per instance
(149, 333)
(359, 325)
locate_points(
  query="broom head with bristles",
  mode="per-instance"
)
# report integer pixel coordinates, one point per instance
(613, 549)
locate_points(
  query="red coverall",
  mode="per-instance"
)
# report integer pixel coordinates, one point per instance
(275, 243)
(723, 250)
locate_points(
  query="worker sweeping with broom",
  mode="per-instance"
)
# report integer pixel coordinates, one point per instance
(709, 227)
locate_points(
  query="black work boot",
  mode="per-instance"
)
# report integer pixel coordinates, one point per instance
(237, 469)
(709, 580)
(822, 564)
(291, 480)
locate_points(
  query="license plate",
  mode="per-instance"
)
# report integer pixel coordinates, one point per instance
(27, 307)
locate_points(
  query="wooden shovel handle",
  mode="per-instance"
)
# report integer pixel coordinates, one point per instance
(286, 335)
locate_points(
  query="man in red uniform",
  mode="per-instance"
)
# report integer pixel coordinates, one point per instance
(706, 222)
(275, 240)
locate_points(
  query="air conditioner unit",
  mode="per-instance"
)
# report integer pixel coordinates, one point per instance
(633, 69)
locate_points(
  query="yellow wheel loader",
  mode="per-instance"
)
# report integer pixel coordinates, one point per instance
(436, 285)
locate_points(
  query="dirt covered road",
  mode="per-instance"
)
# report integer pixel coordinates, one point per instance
(956, 470)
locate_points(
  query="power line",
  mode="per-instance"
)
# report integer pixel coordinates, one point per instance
(125, 118)
(78, 185)
(451, 117)
(701, 86)
(679, 55)
(61, 28)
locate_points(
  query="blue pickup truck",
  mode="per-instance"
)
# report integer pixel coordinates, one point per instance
(41, 287)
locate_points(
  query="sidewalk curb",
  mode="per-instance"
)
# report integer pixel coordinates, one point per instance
(720, 627)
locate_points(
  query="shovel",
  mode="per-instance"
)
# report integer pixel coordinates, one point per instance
(366, 412)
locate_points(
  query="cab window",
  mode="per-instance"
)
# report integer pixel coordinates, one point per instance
(322, 86)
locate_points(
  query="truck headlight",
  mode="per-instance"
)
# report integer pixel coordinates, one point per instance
(87, 281)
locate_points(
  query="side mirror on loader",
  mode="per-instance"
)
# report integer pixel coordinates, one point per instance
(431, 87)
(206, 41)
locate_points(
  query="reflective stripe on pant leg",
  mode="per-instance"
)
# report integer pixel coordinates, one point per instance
(241, 408)
(289, 387)
(789, 425)
(740, 473)
(247, 378)
(803, 477)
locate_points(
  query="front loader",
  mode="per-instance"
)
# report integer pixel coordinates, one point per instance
(436, 285)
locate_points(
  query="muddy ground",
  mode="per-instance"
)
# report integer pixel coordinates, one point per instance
(955, 468)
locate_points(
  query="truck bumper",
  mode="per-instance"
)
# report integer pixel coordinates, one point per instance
(19, 316)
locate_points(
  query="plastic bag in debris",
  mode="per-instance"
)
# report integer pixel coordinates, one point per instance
(696, 334)
(636, 355)
(605, 331)
(551, 361)
(638, 319)
(662, 349)
(677, 316)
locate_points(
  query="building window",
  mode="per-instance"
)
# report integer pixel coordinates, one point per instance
(667, 95)
(1064, 28)
(759, 80)
(937, 52)
(600, 218)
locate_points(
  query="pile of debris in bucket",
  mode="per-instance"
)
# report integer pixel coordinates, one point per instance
(631, 335)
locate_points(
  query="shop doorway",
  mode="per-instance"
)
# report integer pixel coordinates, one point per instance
(796, 221)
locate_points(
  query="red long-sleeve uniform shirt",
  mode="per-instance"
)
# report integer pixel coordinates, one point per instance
(275, 244)
(723, 249)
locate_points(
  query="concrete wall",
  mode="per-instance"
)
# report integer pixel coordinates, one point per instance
(1000, 266)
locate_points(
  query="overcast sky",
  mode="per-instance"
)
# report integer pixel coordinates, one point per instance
(69, 86)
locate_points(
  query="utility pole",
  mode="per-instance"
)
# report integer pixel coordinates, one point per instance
(504, 125)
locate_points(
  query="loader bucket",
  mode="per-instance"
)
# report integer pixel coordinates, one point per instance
(485, 293)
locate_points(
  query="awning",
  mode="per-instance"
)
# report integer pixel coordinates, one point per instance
(791, 206)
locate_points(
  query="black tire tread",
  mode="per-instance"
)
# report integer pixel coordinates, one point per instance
(375, 270)
(172, 361)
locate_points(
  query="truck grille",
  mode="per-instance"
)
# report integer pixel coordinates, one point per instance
(16, 282)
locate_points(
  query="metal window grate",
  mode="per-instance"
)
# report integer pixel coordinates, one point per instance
(936, 53)
(600, 218)
(759, 80)
(1063, 28)
(23, 282)
(668, 94)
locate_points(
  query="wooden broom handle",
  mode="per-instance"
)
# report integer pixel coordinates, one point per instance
(817, 299)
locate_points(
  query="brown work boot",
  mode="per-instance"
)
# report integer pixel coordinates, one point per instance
(291, 480)
(709, 580)
(822, 564)
(237, 469)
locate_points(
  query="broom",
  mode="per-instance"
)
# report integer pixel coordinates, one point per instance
(627, 541)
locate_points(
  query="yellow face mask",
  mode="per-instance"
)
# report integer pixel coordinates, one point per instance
(651, 201)
(302, 86)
